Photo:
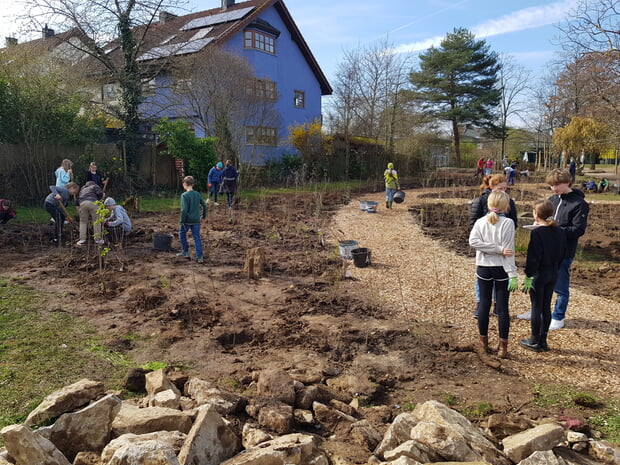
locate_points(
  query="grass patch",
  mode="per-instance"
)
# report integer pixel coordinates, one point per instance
(608, 422)
(41, 352)
(480, 410)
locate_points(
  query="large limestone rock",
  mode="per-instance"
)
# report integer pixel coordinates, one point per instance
(88, 429)
(272, 415)
(157, 382)
(397, 433)
(167, 398)
(29, 448)
(204, 393)
(252, 435)
(172, 439)
(277, 384)
(64, 400)
(541, 438)
(293, 449)
(543, 458)
(210, 440)
(145, 453)
(132, 419)
(451, 436)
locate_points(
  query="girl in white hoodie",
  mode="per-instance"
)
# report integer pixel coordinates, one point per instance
(493, 237)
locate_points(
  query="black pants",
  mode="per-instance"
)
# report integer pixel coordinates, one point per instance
(544, 283)
(489, 277)
(59, 219)
(115, 234)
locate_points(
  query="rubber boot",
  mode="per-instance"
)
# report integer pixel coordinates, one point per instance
(387, 204)
(531, 344)
(484, 341)
(390, 204)
(503, 348)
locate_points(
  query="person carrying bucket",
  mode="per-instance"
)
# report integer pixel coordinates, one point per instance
(391, 184)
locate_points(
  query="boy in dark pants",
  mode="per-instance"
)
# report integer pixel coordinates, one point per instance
(191, 206)
(55, 203)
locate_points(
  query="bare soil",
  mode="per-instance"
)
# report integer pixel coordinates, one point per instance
(215, 322)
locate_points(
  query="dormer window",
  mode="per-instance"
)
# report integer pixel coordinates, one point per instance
(260, 41)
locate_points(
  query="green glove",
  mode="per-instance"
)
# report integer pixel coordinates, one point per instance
(528, 285)
(513, 284)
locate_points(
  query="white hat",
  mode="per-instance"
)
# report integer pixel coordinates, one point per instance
(109, 202)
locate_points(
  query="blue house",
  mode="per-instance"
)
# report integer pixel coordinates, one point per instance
(190, 72)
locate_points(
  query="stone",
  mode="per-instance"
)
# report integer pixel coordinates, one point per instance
(135, 380)
(603, 452)
(413, 450)
(210, 441)
(29, 448)
(575, 436)
(86, 458)
(65, 400)
(546, 457)
(252, 435)
(305, 397)
(277, 384)
(145, 453)
(364, 434)
(173, 439)
(344, 408)
(404, 461)
(499, 425)
(397, 433)
(204, 393)
(293, 449)
(356, 385)
(132, 419)
(167, 398)
(303, 417)
(450, 435)
(333, 420)
(541, 438)
(88, 429)
(157, 382)
(272, 414)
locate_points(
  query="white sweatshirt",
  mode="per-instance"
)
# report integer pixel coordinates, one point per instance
(490, 240)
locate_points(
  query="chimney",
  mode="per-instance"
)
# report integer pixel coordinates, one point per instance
(227, 4)
(47, 32)
(10, 41)
(164, 16)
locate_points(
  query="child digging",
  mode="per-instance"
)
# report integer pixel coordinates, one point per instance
(191, 206)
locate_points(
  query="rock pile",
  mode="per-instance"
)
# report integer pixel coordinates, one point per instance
(189, 421)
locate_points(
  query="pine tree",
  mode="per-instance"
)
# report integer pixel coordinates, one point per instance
(457, 82)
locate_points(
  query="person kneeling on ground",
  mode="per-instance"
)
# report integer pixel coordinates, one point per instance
(119, 224)
(7, 212)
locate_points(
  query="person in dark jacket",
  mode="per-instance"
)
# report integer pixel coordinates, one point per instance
(7, 212)
(545, 254)
(229, 183)
(93, 174)
(52, 204)
(479, 209)
(571, 213)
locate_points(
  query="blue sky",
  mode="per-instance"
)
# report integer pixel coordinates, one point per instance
(524, 29)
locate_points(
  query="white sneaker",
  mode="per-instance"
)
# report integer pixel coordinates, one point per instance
(80, 243)
(100, 242)
(556, 324)
(525, 316)
(208, 200)
(216, 204)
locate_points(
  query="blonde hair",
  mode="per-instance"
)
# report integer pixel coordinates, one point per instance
(544, 211)
(66, 164)
(498, 202)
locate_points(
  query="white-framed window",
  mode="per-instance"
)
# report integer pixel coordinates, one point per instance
(300, 99)
(260, 41)
(261, 135)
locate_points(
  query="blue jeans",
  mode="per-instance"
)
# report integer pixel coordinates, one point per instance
(195, 229)
(389, 194)
(215, 189)
(562, 289)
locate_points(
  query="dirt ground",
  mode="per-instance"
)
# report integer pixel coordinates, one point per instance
(213, 321)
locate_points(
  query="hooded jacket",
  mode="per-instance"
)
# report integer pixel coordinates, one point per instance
(571, 212)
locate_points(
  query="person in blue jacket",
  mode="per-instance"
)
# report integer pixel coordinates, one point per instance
(215, 179)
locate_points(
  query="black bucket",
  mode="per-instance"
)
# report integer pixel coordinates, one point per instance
(361, 257)
(162, 241)
(399, 197)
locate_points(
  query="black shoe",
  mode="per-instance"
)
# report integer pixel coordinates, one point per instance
(531, 345)
(55, 242)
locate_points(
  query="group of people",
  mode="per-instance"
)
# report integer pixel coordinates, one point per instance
(558, 223)
(223, 180)
(116, 225)
(592, 186)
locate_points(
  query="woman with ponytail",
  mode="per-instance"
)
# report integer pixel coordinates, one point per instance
(493, 238)
(545, 253)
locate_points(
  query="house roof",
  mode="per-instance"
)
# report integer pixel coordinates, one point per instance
(188, 34)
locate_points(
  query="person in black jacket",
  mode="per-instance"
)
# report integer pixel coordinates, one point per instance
(479, 208)
(545, 254)
(571, 213)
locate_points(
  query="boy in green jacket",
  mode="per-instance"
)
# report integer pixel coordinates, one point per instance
(191, 206)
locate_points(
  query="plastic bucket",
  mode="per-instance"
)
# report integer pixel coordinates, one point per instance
(363, 205)
(361, 257)
(162, 241)
(371, 207)
(399, 196)
(346, 247)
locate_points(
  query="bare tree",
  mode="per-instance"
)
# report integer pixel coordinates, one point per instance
(113, 34)
(513, 82)
(592, 27)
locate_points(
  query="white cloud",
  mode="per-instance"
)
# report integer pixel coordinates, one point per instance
(520, 20)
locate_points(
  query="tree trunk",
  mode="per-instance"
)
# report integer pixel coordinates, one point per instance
(456, 137)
